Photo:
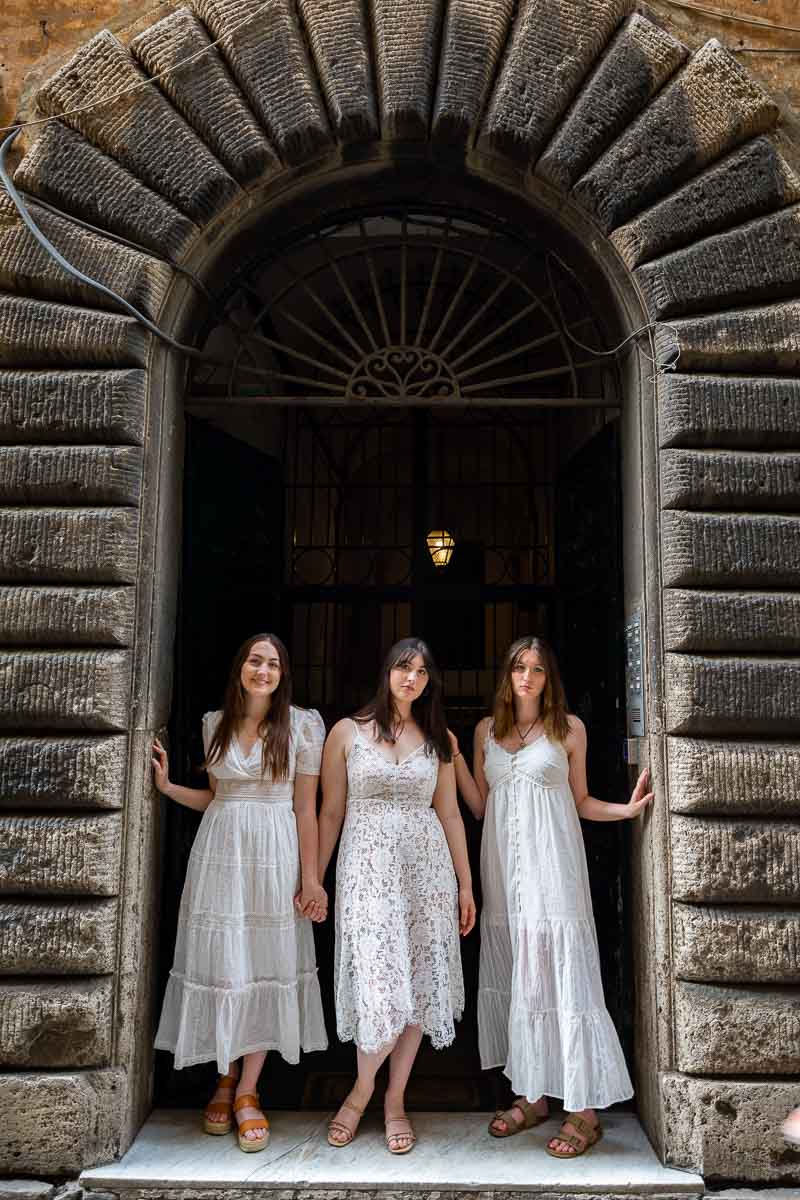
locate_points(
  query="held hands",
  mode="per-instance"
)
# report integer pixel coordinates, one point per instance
(466, 911)
(312, 902)
(160, 767)
(640, 797)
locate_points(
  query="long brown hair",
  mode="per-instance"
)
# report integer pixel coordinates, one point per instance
(427, 710)
(274, 730)
(553, 711)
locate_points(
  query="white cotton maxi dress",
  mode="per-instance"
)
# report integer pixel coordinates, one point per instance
(244, 978)
(541, 1012)
(397, 959)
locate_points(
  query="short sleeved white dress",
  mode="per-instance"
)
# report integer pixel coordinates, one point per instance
(244, 977)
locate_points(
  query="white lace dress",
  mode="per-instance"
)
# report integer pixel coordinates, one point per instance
(398, 960)
(541, 1013)
(244, 976)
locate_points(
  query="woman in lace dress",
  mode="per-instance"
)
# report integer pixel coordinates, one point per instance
(541, 1013)
(244, 978)
(403, 883)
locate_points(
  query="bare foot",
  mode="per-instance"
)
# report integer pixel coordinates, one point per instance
(401, 1136)
(539, 1106)
(562, 1147)
(342, 1129)
(250, 1114)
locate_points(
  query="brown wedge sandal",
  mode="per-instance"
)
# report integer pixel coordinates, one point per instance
(223, 1107)
(513, 1124)
(335, 1126)
(589, 1136)
(251, 1145)
(407, 1133)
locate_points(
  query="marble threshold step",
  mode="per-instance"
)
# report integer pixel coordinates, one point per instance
(172, 1159)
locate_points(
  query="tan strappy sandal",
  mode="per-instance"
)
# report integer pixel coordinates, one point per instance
(335, 1126)
(408, 1134)
(251, 1145)
(513, 1124)
(223, 1107)
(590, 1134)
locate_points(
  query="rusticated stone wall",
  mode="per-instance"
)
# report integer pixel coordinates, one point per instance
(668, 162)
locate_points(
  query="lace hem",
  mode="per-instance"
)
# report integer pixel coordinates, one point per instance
(440, 1036)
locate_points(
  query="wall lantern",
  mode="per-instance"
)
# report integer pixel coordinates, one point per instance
(441, 545)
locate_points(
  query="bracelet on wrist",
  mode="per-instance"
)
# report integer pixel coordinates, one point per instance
(458, 755)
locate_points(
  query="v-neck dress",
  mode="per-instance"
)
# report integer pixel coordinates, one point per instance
(244, 977)
(541, 1012)
(397, 960)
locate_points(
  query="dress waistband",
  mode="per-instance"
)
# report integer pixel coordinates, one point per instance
(257, 792)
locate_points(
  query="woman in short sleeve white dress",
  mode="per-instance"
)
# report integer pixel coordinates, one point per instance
(244, 978)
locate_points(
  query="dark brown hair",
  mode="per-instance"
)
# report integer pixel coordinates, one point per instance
(553, 700)
(427, 710)
(274, 730)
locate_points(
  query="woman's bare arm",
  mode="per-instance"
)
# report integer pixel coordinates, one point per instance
(445, 803)
(334, 791)
(589, 808)
(470, 792)
(312, 900)
(196, 798)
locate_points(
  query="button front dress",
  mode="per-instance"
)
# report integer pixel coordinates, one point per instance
(541, 1012)
(244, 977)
(398, 959)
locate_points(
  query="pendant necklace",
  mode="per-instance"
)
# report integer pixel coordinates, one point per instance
(527, 732)
(397, 733)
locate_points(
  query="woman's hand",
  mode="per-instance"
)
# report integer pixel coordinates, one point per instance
(640, 798)
(466, 910)
(453, 743)
(312, 901)
(160, 767)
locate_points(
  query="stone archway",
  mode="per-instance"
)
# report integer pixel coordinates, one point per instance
(668, 164)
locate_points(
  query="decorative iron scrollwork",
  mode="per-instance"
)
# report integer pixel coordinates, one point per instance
(396, 372)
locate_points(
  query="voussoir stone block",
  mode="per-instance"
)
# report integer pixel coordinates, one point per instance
(473, 39)
(735, 944)
(62, 772)
(72, 406)
(70, 474)
(723, 410)
(730, 479)
(176, 164)
(56, 1024)
(716, 777)
(757, 339)
(729, 549)
(749, 861)
(58, 937)
(65, 689)
(552, 47)
(713, 105)
(63, 616)
(205, 94)
(75, 545)
(720, 622)
(752, 180)
(732, 695)
(339, 42)
(60, 855)
(39, 333)
(736, 1031)
(406, 54)
(268, 59)
(62, 1122)
(638, 62)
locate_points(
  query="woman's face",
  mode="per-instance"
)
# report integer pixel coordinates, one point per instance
(261, 671)
(407, 681)
(528, 676)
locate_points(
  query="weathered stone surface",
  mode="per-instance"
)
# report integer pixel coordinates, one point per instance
(63, 772)
(732, 695)
(726, 1129)
(405, 65)
(89, 545)
(713, 105)
(268, 59)
(72, 406)
(65, 689)
(733, 777)
(70, 474)
(753, 180)
(718, 622)
(60, 855)
(729, 550)
(730, 479)
(744, 860)
(65, 937)
(757, 339)
(338, 37)
(65, 170)
(29, 270)
(723, 410)
(736, 1031)
(176, 164)
(56, 1024)
(36, 333)
(473, 38)
(204, 94)
(736, 944)
(552, 47)
(757, 261)
(638, 62)
(60, 1123)
(42, 616)
(25, 1189)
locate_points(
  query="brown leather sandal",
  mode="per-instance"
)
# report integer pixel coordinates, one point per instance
(335, 1126)
(251, 1145)
(224, 1107)
(408, 1134)
(589, 1136)
(513, 1124)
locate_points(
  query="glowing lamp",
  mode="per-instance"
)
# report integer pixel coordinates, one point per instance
(441, 545)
